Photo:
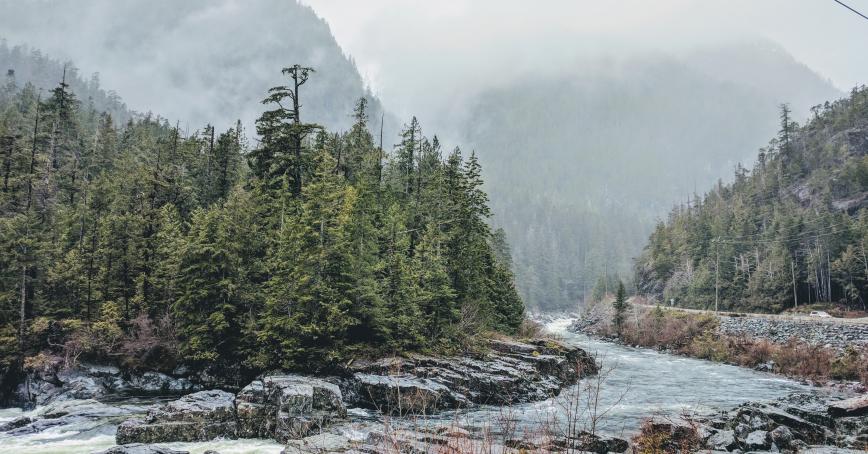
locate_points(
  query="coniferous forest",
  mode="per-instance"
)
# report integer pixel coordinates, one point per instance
(792, 231)
(150, 246)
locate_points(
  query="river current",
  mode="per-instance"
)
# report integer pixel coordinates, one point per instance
(638, 383)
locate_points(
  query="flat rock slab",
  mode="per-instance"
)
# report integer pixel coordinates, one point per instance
(139, 448)
(199, 416)
(850, 407)
(512, 372)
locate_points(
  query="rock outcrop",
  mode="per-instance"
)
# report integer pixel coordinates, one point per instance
(139, 448)
(88, 381)
(282, 407)
(512, 372)
(787, 425)
(200, 416)
(287, 407)
(68, 412)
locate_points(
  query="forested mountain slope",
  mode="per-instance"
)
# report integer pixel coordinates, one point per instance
(196, 61)
(21, 65)
(581, 166)
(137, 244)
(793, 230)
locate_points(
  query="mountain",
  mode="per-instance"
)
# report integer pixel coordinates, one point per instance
(792, 230)
(196, 61)
(21, 64)
(580, 166)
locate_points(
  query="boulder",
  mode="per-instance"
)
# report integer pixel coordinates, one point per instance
(16, 423)
(849, 407)
(586, 441)
(757, 440)
(318, 444)
(158, 383)
(723, 440)
(405, 394)
(199, 416)
(782, 437)
(286, 407)
(139, 448)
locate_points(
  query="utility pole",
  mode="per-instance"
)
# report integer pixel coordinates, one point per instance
(793, 272)
(717, 275)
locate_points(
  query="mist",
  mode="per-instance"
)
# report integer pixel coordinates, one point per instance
(584, 114)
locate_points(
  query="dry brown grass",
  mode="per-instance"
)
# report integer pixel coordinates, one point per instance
(696, 335)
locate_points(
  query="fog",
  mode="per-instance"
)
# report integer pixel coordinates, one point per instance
(591, 118)
(422, 56)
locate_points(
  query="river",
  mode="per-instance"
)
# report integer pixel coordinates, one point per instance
(638, 383)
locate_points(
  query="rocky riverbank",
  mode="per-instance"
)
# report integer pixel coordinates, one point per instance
(819, 352)
(797, 423)
(53, 383)
(821, 333)
(288, 407)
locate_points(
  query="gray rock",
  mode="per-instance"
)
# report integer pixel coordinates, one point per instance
(757, 440)
(156, 382)
(139, 448)
(782, 437)
(286, 407)
(321, 443)
(512, 372)
(850, 407)
(199, 416)
(723, 440)
(20, 421)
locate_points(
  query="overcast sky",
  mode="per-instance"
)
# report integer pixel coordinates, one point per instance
(416, 52)
(422, 56)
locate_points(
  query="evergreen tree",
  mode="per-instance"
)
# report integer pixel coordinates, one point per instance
(620, 306)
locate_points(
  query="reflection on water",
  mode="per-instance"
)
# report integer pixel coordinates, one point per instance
(641, 383)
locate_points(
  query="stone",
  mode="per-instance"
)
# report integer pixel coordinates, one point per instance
(139, 448)
(316, 444)
(20, 421)
(757, 440)
(286, 407)
(405, 394)
(159, 383)
(200, 416)
(782, 437)
(511, 372)
(849, 407)
(723, 440)
(586, 441)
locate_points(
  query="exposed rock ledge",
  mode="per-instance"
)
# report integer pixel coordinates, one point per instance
(287, 407)
(791, 424)
(89, 381)
(512, 372)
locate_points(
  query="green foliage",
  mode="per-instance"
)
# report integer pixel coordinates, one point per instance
(620, 306)
(793, 231)
(140, 241)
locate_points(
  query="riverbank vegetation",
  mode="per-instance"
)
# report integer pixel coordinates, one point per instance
(148, 246)
(792, 231)
(697, 335)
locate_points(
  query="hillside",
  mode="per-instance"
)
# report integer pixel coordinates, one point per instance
(197, 61)
(142, 246)
(21, 65)
(790, 231)
(581, 165)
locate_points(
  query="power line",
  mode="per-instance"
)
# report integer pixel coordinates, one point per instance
(850, 8)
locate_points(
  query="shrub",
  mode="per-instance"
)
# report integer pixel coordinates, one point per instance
(850, 365)
(709, 346)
